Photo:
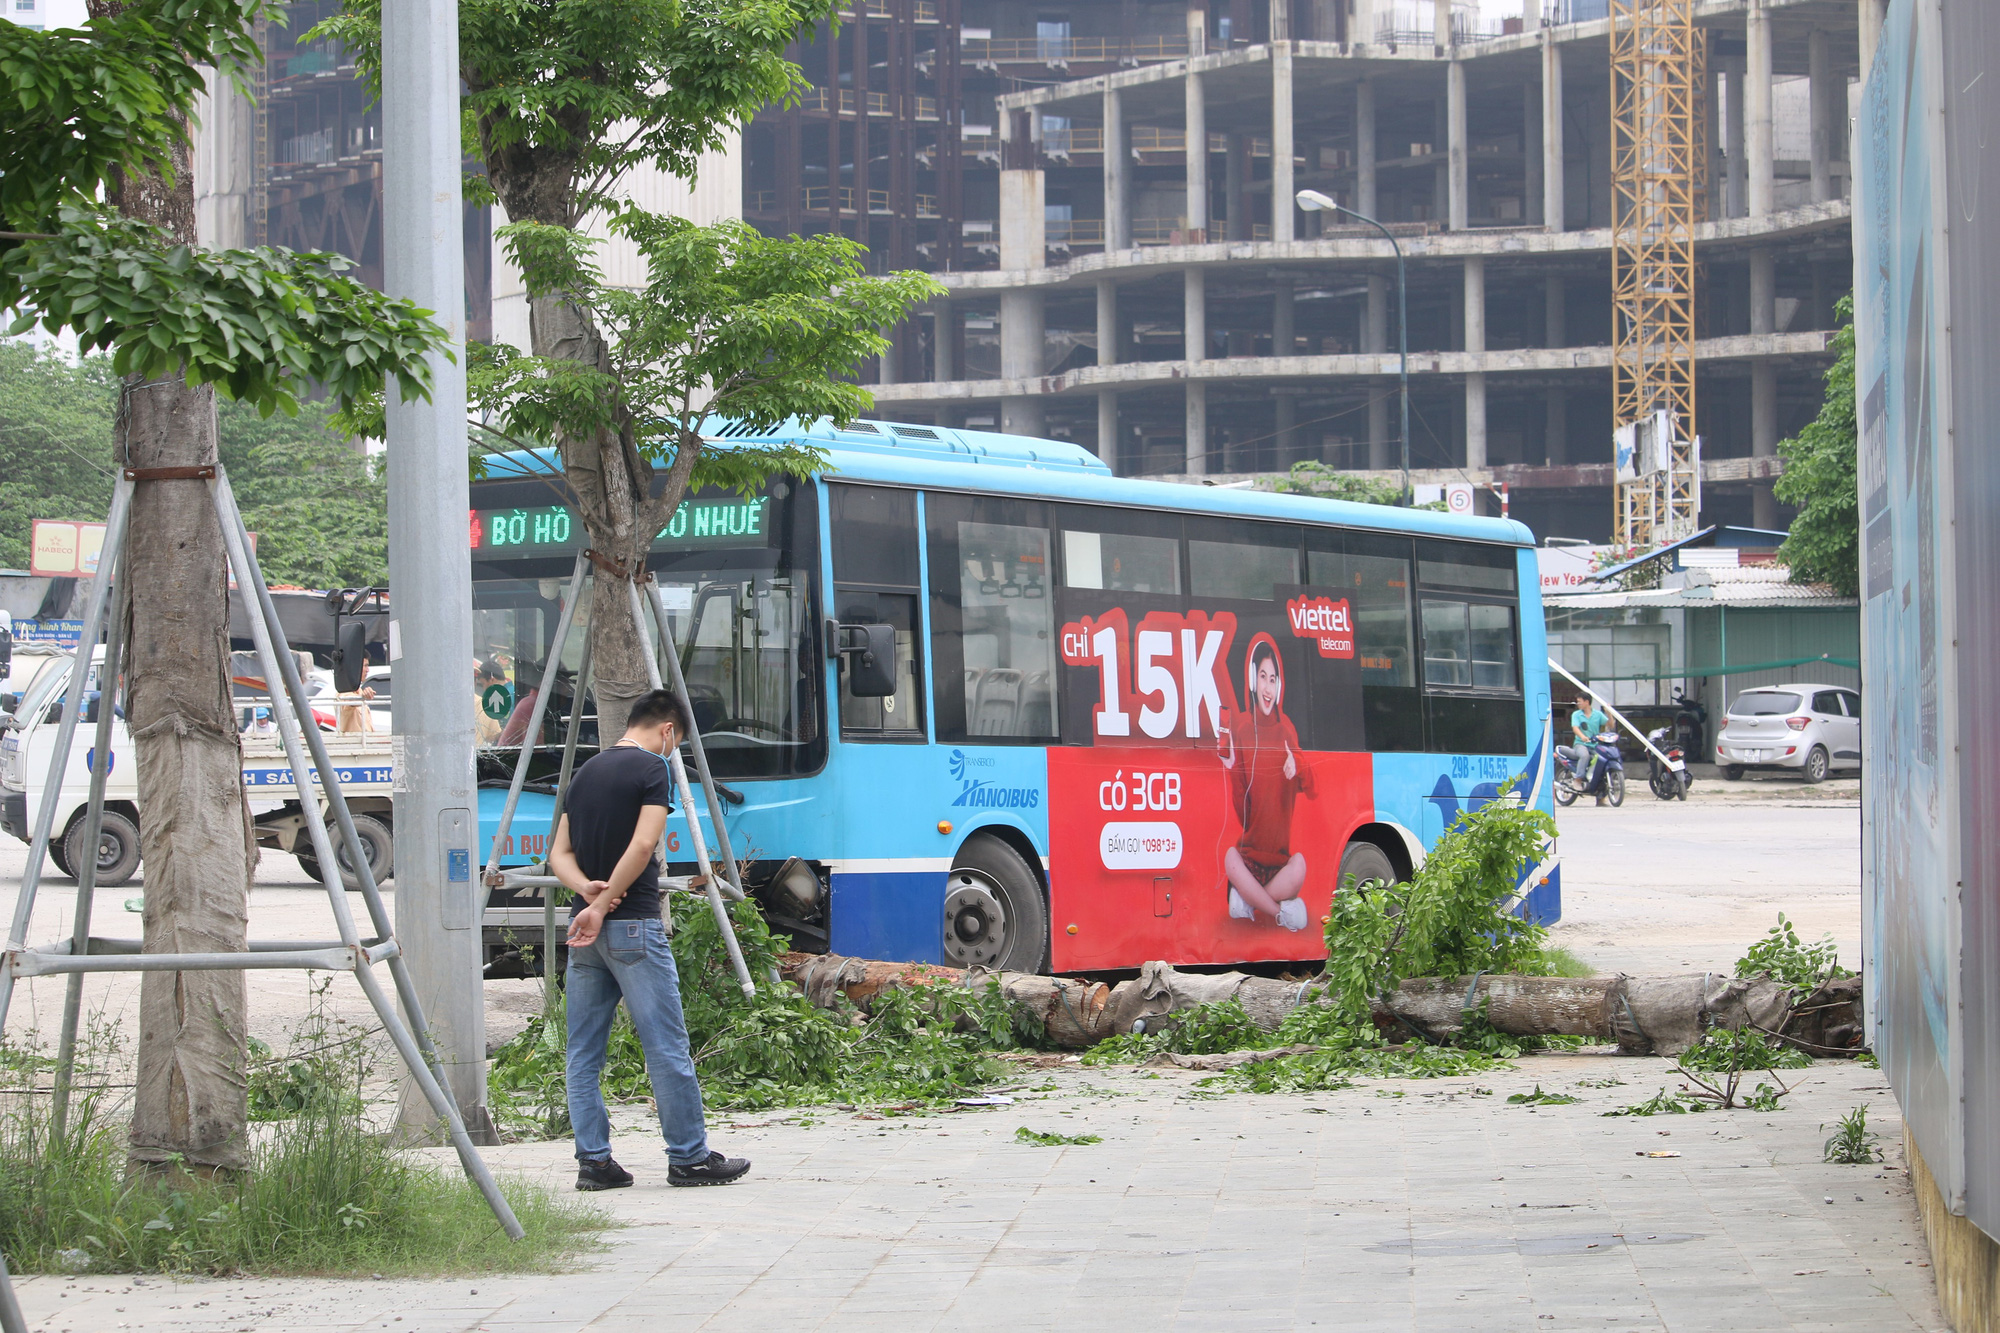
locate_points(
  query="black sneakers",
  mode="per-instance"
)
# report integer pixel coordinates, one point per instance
(602, 1173)
(717, 1170)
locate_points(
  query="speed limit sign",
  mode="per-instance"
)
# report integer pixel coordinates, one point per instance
(1458, 498)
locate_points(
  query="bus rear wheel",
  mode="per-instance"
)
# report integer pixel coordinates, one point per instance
(994, 913)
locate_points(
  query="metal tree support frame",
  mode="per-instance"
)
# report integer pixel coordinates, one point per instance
(83, 953)
(729, 885)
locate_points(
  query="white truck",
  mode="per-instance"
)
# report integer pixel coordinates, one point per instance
(362, 762)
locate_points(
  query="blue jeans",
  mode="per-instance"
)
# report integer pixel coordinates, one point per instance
(631, 959)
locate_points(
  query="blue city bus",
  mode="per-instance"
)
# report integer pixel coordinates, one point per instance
(1127, 720)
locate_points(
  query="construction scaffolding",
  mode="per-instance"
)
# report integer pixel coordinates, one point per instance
(1657, 137)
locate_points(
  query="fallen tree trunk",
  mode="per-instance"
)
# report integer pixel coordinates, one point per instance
(1643, 1015)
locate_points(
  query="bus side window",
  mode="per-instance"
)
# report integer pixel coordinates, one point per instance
(993, 619)
(875, 581)
(1373, 572)
(1471, 654)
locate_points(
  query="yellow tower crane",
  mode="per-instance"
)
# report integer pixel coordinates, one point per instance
(1657, 141)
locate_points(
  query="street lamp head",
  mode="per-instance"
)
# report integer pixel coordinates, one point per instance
(1312, 201)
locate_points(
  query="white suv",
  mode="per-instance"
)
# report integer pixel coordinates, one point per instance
(1813, 728)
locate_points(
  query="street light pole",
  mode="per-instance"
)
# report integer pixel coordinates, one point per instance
(1312, 201)
(436, 798)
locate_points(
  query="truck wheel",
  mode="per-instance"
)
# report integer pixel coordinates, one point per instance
(378, 844)
(994, 913)
(117, 849)
(60, 857)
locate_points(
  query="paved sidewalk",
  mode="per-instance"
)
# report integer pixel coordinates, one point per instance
(1393, 1205)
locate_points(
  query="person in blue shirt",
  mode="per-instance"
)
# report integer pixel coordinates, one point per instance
(1586, 723)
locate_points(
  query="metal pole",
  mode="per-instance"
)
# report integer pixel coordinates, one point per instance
(671, 652)
(534, 731)
(11, 1320)
(86, 871)
(93, 623)
(549, 933)
(438, 898)
(1402, 333)
(286, 710)
(715, 902)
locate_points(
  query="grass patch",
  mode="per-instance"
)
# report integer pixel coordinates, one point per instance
(1557, 961)
(322, 1196)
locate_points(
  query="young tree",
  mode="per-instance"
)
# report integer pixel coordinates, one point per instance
(97, 236)
(563, 99)
(1824, 545)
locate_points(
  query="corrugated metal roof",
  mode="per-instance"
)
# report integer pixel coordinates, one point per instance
(1744, 587)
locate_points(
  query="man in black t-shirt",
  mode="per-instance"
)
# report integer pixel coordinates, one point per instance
(616, 811)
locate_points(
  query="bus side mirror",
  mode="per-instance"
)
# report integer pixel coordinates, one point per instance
(870, 651)
(350, 657)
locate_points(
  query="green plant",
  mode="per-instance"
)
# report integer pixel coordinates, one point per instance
(1311, 477)
(1786, 959)
(1206, 1029)
(1823, 544)
(1036, 1137)
(1724, 1050)
(1450, 920)
(1665, 1103)
(1764, 1099)
(1557, 961)
(1540, 1098)
(1852, 1142)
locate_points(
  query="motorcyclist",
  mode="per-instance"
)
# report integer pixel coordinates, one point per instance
(1586, 723)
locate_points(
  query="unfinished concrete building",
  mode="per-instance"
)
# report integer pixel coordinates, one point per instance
(1175, 311)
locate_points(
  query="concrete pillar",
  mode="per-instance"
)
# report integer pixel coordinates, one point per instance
(1021, 416)
(1375, 327)
(1281, 20)
(1763, 437)
(944, 342)
(1284, 336)
(1117, 175)
(1364, 148)
(1763, 291)
(1196, 126)
(1552, 133)
(1457, 193)
(1475, 382)
(1873, 14)
(1555, 437)
(1023, 220)
(1197, 429)
(1531, 155)
(886, 364)
(1762, 164)
(1283, 210)
(1107, 322)
(1555, 311)
(1197, 28)
(1194, 315)
(1381, 435)
(1531, 15)
(1236, 174)
(1286, 408)
(1734, 138)
(1820, 112)
(1107, 428)
(1713, 170)
(1021, 335)
(1441, 24)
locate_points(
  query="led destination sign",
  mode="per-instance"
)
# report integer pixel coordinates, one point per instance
(720, 522)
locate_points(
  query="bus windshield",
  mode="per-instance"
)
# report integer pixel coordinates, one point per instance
(735, 577)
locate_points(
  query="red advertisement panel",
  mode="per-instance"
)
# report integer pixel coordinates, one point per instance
(1196, 826)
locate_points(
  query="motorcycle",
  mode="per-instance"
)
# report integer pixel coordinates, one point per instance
(1667, 784)
(1690, 724)
(1607, 774)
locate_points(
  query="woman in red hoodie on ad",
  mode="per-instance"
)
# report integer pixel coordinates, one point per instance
(1260, 749)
